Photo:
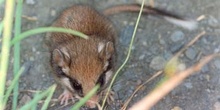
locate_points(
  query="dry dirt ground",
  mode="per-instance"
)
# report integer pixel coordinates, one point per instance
(155, 40)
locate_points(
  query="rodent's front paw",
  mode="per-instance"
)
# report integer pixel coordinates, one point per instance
(65, 96)
(110, 97)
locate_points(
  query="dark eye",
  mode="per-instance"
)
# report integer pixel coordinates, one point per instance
(76, 86)
(101, 79)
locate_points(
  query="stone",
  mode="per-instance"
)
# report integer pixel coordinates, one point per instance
(217, 63)
(191, 53)
(53, 13)
(177, 36)
(30, 2)
(213, 21)
(188, 85)
(176, 108)
(24, 99)
(205, 69)
(176, 47)
(141, 57)
(157, 63)
(167, 55)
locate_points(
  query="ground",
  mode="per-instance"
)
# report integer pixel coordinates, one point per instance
(156, 39)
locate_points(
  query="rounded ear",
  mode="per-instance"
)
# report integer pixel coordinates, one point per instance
(61, 57)
(106, 50)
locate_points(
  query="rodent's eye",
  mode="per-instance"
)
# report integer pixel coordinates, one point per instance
(101, 80)
(76, 86)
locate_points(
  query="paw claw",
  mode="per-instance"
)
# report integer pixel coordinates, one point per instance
(65, 96)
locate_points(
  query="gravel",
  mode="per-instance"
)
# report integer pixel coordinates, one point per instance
(188, 85)
(177, 36)
(175, 47)
(191, 53)
(157, 63)
(217, 63)
(126, 34)
(30, 2)
(212, 21)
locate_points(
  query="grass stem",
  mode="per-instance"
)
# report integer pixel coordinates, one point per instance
(128, 55)
(7, 32)
(16, 66)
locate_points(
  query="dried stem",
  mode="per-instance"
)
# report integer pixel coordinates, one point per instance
(166, 87)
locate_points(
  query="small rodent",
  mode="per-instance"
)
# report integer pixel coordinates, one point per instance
(79, 64)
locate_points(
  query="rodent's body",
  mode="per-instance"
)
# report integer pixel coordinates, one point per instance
(82, 62)
(79, 64)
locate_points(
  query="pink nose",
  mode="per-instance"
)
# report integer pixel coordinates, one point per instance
(91, 103)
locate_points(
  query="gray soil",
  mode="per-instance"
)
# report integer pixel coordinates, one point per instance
(155, 43)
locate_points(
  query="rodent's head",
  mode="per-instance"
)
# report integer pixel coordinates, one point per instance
(81, 67)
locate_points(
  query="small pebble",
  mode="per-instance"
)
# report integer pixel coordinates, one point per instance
(117, 87)
(53, 13)
(207, 77)
(31, 58)
(157, 63)
(176, 108)
(188, 85)
(8, 83)
(205, 69)
(144, 43)
(217, 63)
(24, 99)
(162, 42)
(30, 2)
(176, 47)
(141, 57)
(205, 41)
(217, 50)
(191, 53)
(167, 55)
(177, 36)
(139, 82)
(181, 67)
(33, 49)
(213, 21)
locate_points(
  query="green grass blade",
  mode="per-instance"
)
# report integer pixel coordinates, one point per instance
(37, 98)
(47, 101)
(7, 32)
(13, 83)
(47, 29)
(34, 106)
(128, 55)
(87, 97)
(17, 50)
(1, 1)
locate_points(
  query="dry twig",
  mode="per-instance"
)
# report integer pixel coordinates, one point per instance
(151, 99)
(138, 88)
(158, 73)
(29, 18)
(190, 43)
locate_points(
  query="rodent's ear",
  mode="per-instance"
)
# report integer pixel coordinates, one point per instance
(61, 57)
(105, 50)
